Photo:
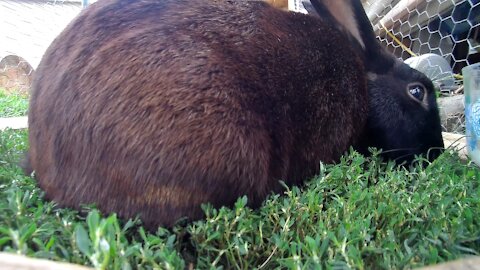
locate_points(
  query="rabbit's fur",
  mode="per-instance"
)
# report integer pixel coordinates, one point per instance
(152, 108)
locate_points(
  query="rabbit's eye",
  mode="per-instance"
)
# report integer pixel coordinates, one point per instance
(417, 91)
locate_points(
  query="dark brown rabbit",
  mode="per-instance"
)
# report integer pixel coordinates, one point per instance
(152, 108)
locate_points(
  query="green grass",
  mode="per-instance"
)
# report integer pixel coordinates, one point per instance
(12, 104)
(360, 213)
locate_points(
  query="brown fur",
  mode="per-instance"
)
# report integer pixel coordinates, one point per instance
(152, 108)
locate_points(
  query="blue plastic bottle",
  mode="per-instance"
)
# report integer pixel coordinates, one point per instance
(471, 82)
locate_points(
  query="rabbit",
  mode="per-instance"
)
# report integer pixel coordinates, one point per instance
(152, 108)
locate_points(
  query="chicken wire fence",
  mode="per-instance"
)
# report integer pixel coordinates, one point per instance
(438, 37)
(27, 27)
(449, 28)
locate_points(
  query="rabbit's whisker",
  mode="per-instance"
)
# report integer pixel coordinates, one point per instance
(398, 150)
(403, 156)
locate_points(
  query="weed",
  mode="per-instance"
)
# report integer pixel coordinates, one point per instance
(12, 104)
(361, 213)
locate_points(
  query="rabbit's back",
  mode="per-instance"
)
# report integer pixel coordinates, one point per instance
(154, 107)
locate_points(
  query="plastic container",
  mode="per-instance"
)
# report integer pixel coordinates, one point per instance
(471, 82)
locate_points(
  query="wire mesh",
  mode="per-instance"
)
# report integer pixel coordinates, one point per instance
(27, 29)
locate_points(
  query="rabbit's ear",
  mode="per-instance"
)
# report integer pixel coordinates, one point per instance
(351, 16)
(343, 11)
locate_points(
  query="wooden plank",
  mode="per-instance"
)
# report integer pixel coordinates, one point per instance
(19, 262)
(10, 261)
(470, 263)
(13, 123)
(282, 4)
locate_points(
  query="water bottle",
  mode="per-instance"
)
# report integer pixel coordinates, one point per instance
(471, 83)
